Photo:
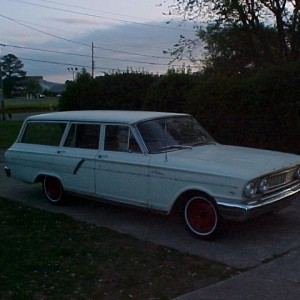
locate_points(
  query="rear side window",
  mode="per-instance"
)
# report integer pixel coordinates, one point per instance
(120, 138)
(43, 133)
(83, 136)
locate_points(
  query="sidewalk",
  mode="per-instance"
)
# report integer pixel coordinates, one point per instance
(276, 280)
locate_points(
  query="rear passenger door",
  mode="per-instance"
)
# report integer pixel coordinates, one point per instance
(122, 168)
(79, 151)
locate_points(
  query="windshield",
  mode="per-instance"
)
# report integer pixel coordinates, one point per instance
(172, 133)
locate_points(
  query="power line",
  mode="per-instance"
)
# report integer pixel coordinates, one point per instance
(85, 55)
(79, 43)
(21, 23)
(97, 10)
(65, 64)
(41, 31)
(100, 17)
(72, 65)
(45, 50)
(102, 40)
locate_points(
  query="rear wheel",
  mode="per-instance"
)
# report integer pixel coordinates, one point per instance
(201, 217)
(53, 190)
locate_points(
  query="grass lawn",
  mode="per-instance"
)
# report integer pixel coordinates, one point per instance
(9, 129)
(51, 256)
(8, 132)
(23, 105)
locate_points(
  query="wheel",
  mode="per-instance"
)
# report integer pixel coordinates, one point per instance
(53, 190)
(201, 217)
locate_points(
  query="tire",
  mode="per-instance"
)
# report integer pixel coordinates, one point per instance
(201, 217)
(53, 190)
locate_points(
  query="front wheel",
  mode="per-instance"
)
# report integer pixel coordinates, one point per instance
(53, 190)
(201, 217)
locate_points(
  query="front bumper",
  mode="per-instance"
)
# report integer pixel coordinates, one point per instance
(273, 202)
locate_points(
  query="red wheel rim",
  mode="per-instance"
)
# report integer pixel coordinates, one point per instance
(201, 216)
(53, 188)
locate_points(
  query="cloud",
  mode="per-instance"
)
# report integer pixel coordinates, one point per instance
(116, 47)
(76, 21)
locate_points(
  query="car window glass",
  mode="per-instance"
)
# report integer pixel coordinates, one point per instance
(43, 133)
(120, 138)
(83, 136)
(172, 133)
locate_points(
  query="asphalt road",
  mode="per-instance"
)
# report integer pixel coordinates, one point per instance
(244, 245)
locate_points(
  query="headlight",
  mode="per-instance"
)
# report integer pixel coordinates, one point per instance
(250, 189)
(263, 185)
(297, 173)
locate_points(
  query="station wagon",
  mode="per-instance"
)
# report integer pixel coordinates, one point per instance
(159, 161)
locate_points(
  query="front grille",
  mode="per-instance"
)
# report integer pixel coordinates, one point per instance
(281, 179)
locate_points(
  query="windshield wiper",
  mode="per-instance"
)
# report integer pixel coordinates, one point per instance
(171, 147)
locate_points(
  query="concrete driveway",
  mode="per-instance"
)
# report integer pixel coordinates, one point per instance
(244, 245)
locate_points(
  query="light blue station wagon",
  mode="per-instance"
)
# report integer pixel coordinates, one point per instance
(159, 161)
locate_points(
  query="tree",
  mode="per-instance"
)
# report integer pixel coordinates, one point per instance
(251, 17)
(168, 93)
(79, 94)
(12, 66)
(244, 109)
(235, 50)
(124, 91)
(12, 73)
(33, 87)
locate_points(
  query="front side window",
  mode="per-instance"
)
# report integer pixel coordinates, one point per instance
(172, 133)
(120, 138)
(83, 136)
(43, 133)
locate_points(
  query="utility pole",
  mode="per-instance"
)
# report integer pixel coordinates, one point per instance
(1, 91)
(93, 61)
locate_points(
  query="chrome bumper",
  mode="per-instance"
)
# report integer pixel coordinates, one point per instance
(273, 202)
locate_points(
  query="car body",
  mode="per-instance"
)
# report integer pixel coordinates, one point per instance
(160, 161)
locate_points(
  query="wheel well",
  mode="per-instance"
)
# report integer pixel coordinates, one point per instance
(39, 178)
(178, 205)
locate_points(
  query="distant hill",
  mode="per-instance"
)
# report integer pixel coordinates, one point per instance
(52, 87)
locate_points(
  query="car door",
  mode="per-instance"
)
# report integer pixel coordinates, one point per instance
(121, 168)
(78, 155)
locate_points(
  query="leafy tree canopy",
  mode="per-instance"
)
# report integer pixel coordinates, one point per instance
(33, 87)
(12, 73)
(267, 29)
(12, 66)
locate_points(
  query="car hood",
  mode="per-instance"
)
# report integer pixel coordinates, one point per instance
(233, 161)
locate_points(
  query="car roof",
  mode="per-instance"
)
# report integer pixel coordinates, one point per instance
(106, 116)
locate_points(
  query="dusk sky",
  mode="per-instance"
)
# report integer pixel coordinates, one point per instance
(52, 36)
